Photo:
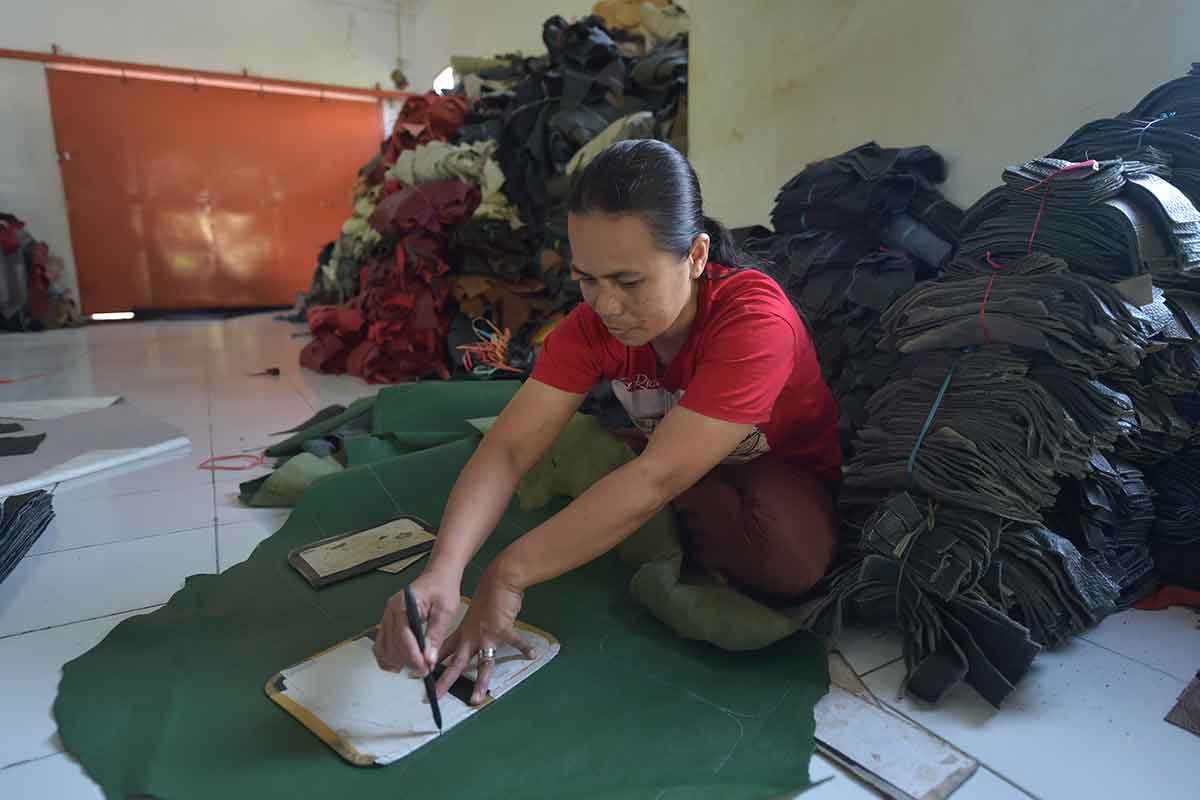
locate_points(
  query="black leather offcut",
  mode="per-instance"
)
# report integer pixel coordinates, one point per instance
(23, 518)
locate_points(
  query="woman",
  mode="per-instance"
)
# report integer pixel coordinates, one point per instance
(711, 360)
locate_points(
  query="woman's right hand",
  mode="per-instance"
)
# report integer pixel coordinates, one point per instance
(438, 598)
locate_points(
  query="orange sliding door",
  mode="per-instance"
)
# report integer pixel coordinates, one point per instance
(193, 196)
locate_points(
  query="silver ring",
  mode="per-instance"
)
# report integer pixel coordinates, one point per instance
(487, 654)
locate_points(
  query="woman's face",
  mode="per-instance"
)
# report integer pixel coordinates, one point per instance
(638, 290)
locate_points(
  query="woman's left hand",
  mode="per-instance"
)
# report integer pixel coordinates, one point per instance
(490, 621)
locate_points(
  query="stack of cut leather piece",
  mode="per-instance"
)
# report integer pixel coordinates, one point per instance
(1175, 369)
(1175, 542)
(996, 444)
(1109, 516)
(840, 282)
(993, 408)
(867, 183)
(23, 518)
(982, 624)
(1162, 429)
(1104, 414)
(1121, 136)
(1163, 128)
(1034, 302)
(888, 192)
(1048, 586)
(852, 234)
(1112, 219)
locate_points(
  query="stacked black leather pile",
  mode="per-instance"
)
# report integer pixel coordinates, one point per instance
(1112, 219)
(852, 234)
(1176, 539)
(1109, 515)
(23, 518)
(1000, 400)
(1154, 226)
(997, 441)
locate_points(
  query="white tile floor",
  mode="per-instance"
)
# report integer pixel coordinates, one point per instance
(1086, 723)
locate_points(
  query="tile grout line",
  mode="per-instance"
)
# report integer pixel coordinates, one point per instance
(1006, 779)
(75, 497)
(900, 712)
(876, 669)
(930, 731)
(116, 541)
(77, 621)
(212, 474)
(1139, 662)
(33, 760)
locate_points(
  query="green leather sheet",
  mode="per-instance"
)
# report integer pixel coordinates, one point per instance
(171, 703)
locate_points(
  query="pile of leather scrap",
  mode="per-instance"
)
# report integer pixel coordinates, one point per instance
(586, 85)
(423, 119)
(637, 25)
(493, 281)
(470, 163)
(547, 117)
(31, 298)
(852, 234)
(395, 328)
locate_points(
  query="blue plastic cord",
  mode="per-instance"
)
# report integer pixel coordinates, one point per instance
(1159, 118)
(937, 402)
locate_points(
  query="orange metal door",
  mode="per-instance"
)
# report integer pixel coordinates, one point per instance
(185, 196)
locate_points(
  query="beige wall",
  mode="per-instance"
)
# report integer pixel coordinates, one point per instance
(353, 42)
(775, 84)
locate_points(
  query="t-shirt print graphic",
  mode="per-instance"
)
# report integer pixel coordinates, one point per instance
(646, 402)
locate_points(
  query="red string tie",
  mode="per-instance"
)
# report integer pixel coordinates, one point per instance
(997, 268)
(1090, 163)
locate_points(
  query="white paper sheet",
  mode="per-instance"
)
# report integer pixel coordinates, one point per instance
(98, 434)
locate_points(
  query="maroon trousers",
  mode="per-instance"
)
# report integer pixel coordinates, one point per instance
(767, 525)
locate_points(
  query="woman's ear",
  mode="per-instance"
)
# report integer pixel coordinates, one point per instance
(698, 255)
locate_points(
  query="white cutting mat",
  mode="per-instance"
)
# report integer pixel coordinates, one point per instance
(370, 716)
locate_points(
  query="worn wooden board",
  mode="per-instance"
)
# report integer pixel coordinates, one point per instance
(396, 567)
(344, 556)
(881, 748)
(1186, 713)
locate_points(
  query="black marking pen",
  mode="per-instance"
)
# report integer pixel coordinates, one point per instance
(418, 631)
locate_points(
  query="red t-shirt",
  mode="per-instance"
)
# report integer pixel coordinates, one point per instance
(748, 359)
